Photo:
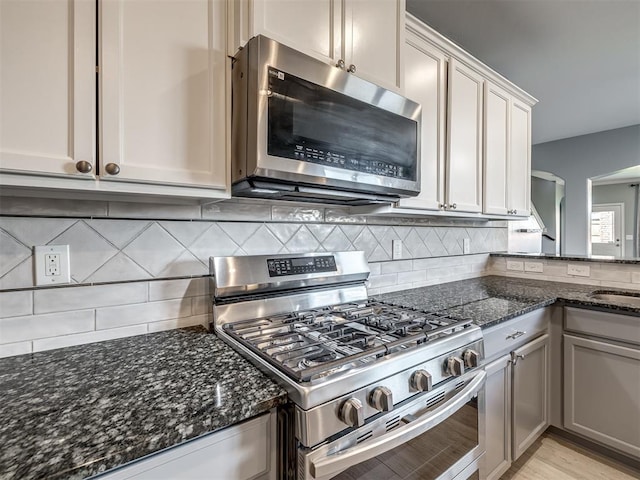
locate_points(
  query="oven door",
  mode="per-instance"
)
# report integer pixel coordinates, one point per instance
(439, 435)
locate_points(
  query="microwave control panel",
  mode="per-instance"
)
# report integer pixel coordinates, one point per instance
(281, 267)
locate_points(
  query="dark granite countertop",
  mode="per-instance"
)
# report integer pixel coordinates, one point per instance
(494, 299)
(74, 412)
(571, 258)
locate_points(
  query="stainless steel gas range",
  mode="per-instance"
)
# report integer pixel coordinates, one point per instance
(374, 386)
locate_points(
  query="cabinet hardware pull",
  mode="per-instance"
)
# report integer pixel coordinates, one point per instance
(454, 206)
(514, 358)
(112, 168)
(352, 68)
(83, 166)
(443, 206)
(340, 64)
(515, 335)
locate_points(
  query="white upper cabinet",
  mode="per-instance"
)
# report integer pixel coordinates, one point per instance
(519, 186)
(464, 138)
(366, 36)
(163, 92)
(496, 149)
(47, 87)
(425, 82)
(507, 156)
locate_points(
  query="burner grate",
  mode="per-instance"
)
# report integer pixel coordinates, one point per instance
(319, 342)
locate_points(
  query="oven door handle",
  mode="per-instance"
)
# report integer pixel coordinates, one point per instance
(339, 461)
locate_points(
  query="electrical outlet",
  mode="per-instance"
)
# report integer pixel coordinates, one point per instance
(396, 249)
(536, 267)
(52, 264)
(579, 270)
(514, 265)
(466, 245)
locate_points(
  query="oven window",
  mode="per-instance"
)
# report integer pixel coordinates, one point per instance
(427, 456)
(314, 124)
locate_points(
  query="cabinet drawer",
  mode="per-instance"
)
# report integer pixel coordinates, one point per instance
(513, 333)
(625, 328)
(240, 452)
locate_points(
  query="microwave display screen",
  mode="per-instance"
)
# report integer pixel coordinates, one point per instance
(311, 123)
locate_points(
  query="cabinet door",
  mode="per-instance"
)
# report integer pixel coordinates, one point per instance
(47, 86)
(163, 91)
(530, 404)
(497, 458)
(519, 188)
(425, 80)
(374, 39)
(497, 103)
(313, 27)
(602, 392)
(464, 139)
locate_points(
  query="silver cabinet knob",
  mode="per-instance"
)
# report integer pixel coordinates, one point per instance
(443, 206)
(471, 358)
(112, 168)
(381, 399)
(515, 212)
(455, 366)
(421, 381)
(352, 413)
(83, 166)
(340, 64)
(454, 206)
(352, 68)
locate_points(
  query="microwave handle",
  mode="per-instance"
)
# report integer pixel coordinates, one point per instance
(337, 462)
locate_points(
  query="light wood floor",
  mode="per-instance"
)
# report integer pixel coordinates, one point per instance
(552, 457)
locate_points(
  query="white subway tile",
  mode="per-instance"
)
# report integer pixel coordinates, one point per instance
(396, 266)
(375, 268)
(203, 320)
(90, 337)
(635, 277)
(19, 348)
(201, 305)
(153, 210)
(17, 329)
(611, 275)
(112, 317)
(621, 285)
(170, 289)
(410, 277)
(448, 272)
(378, 281)
(77, 298)
(13, 304)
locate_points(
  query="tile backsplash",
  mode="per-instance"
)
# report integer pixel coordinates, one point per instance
(142, 267)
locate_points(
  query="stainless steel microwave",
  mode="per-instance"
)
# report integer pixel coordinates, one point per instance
(306, 131)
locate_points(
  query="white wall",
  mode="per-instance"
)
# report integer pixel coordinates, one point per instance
(578, 159)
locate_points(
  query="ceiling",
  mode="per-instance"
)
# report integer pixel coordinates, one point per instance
(631, 174)
(579, 58)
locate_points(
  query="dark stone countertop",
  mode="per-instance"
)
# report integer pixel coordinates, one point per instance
(494, 299)
(571, 258)
(74, 412)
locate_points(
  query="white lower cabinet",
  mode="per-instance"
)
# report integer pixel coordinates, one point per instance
(240, 452)
(516, 392)
(498, 418)
(602, 379)
(530, 407)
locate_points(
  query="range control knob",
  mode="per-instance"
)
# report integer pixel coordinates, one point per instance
(352, 413)
(421, 381)
(455, 366)
(381, 399)
(471, 358)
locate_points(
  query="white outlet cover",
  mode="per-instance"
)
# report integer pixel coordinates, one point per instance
(579, 270)
(396, 249)
(40, 265)
(536, 267)
(466, 245)
(515, 265)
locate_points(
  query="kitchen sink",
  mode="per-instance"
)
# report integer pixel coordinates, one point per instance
(627, 298)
